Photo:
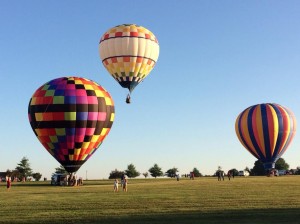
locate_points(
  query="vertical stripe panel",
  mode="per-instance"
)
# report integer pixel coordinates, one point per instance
(265, 131)
(280, 135)
(251, 133)
(258, 129)
(244, 134)
(290, 122)
(272, 127)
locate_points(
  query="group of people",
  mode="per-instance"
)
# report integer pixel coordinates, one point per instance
(124, 183)
(71, 180)
(221, 174)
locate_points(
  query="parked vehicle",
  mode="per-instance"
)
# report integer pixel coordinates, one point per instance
(244, 173)
(59, 179)
(282, 172)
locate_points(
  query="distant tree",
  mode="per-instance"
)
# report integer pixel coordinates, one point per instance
(235, 171)
(258, 169)
(171, 172)
(131, 171)
(197, 172)
(15, 175)
(115, 174)
(155, 171)
(37, 176)
(24, 169)
(60, 170)
(281, 164)
(297, 172)
(247, 169)
(145, 174)
(9, 172)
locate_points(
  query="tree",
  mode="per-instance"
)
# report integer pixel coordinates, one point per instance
(60, 170)
(145, 174)
(37, 176)
(171, 172)
(247, 169)
(15, 175)
(258, 169)
(281, 164)
(297, 172)
(115, 174)
(197, 172)
(155, 171)
(24, 168)
(235, 172)
(9, 172)
(131, 171)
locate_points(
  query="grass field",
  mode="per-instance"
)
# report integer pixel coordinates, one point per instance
(203, 200)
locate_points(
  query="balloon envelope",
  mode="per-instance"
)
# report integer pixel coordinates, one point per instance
(71, 117)
(129, 52)
(266, 130)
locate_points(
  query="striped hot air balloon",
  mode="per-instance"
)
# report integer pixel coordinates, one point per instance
(71, 117)
(128, 52)
(266, 130)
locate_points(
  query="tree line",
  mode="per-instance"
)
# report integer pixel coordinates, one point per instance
(23, 171)
(155, 171)
(259, 170)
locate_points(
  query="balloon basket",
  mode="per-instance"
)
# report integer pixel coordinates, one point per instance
(128, 99)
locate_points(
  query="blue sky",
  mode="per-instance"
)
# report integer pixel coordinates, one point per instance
(216, 59)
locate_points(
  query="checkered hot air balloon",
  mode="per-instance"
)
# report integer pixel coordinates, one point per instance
(129, 52)
(71, 117)
(266, 130)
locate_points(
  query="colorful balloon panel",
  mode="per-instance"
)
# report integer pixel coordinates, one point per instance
(129, 52)
(71, 117)
(266, 130)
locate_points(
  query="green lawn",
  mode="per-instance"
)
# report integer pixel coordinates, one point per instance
(203, 200)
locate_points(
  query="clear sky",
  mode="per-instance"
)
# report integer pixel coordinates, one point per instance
(216, 59)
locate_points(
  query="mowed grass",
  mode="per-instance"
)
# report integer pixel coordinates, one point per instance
(162, 200)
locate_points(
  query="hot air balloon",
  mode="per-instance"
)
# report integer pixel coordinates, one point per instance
(71, 117)
(266, 130)
(129, 53)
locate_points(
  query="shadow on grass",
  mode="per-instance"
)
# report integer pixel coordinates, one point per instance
(274, 216)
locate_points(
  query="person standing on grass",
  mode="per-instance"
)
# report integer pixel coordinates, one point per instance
(229, 174)
(219, 175)
(125, 182)
(223, 174)
(122, 180)
(8, 182)
(74, 181)
(116, 185)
